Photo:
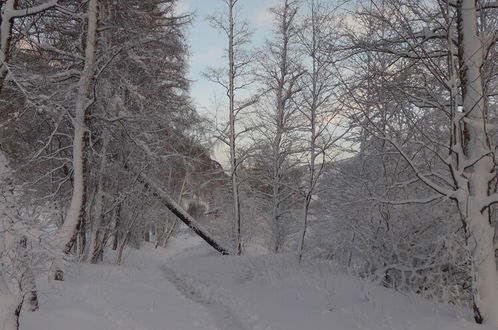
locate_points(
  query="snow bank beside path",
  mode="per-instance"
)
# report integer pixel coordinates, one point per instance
(275, 292)
(134, 296)
(189, 287)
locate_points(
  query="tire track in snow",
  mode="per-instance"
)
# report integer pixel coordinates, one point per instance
(224, 316)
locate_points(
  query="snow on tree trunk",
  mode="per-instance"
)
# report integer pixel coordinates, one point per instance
(481, 170)
(69, 231)
(233, 79)
(5, 37)
(182, 214)
(283, 94)
(312, 122)
(231, 96)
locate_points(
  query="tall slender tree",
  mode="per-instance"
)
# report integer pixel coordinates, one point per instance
(75, 215)
(234, 79)
(278, 120)
(322, 127)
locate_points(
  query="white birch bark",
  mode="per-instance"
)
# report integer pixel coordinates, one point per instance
(471, 196)
(233, 79)
(471, 162)
(68, 233)
(231, 97)
(5, 37)
(312, 122)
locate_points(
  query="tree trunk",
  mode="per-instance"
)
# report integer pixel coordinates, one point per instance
(121, 248)
(313, 138)
(77, 207)
(232, 137)
(5, 37)
(75, 215)
(182, 214)
(115, 226)
(27, 284)
(477, 150)
(97, 240)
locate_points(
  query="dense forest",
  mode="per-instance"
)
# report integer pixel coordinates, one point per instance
(361, 132)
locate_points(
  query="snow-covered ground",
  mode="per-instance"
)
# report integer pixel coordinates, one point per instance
(188, 287)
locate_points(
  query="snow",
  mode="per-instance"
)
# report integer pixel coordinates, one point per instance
(187, 286)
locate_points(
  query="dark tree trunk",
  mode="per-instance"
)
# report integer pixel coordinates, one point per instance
(183, 215)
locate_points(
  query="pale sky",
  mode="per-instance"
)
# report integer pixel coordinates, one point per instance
(207, 45)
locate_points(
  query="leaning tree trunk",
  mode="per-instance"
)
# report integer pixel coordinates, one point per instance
(183, 215)
(75, 215)
(481, 169)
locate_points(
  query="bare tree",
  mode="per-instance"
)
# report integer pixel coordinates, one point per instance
(234, 79)
(322, 123)
(277, 122)
(450, 46)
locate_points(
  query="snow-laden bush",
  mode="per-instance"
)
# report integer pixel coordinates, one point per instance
(410, 247)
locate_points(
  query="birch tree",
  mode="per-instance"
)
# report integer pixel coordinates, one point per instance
(234, 80)
(322, 125)
(451, 45)
(278, 120)
(76, 212)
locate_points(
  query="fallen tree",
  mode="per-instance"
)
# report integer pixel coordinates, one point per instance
(183, 215)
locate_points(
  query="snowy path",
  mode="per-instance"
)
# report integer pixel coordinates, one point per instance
(134, 296)
(185, 288)
(223, 315)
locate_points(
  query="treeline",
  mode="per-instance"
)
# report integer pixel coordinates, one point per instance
(93, 93)
(362, 131)
(369, 136)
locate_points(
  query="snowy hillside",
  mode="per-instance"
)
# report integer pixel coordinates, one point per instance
(188, 287)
